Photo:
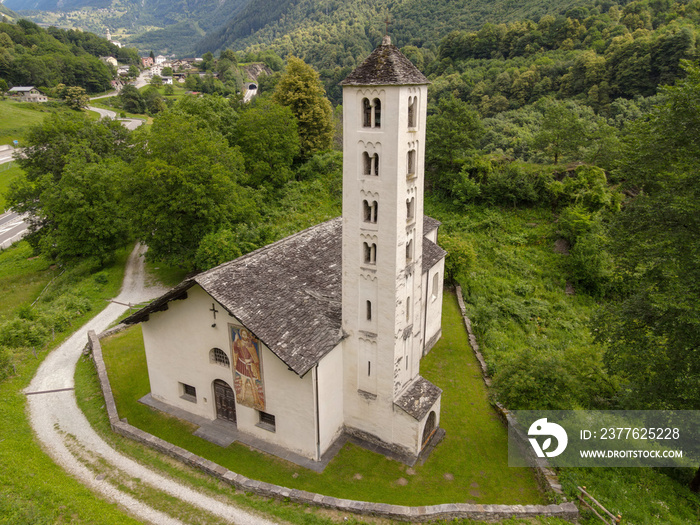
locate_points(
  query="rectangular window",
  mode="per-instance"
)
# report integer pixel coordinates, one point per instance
(369, 310)
(267, 421)
(188, 392)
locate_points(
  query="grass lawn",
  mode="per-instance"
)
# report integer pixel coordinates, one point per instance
(8, 172)
(470, 465)
(17, 117)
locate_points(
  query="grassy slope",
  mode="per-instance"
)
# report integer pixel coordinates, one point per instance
(32, 488)
(515, 296)
(17, 117)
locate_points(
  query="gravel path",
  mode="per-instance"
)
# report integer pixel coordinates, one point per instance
(70, 440)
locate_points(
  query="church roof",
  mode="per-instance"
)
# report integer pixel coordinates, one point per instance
(432, 253)
(287, 293)
(384, 67)
(418, 398)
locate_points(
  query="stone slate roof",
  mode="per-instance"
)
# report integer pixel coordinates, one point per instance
(419, 398)
(430, 224)
(287, 293)
(384, 67)
(432, 253)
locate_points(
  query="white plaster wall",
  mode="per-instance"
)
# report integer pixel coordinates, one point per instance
(330, 397)
(433, 323)
(178, 342)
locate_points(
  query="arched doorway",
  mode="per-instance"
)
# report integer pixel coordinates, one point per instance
(225, 401)
(429, 428)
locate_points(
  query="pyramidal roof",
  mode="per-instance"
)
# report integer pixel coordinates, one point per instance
(384, 67)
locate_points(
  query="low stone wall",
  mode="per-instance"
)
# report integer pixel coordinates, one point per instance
(546, 477)
(567, 511)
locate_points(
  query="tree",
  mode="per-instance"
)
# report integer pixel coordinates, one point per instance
(652, 333)
(132, 100)
(156, 81)
(452, 134)
(76, 217)
(301, 90)
(85, 210)
(76, 98)
(268, 138)
(184, 187)
(562, 131)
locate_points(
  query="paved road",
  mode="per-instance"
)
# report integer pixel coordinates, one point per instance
(12, 228)
(6, 155)
(70, 440)
(128, 123)
(249, 95)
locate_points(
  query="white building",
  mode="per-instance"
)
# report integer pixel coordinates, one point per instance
(321, 334)
(27, 94)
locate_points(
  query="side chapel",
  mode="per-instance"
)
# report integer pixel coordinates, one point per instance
(322, 333)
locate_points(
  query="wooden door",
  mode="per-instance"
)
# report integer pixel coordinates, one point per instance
(225, 401)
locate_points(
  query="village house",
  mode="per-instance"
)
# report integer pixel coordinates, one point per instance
(320, 335)
(27, 94)
(110, 60)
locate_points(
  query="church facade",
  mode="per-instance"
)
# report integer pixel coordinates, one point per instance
(322, 333)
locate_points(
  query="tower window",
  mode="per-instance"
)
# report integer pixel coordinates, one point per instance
(408, 308)
(409, 250)
(370, 253)
(412, 112)
(369, 310)
(369, 211)
(411, 167)
(366, 113)
(371, 113)
(370, 164)
(410, 208)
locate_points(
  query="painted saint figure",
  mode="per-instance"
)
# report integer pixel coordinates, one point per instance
(247, 371)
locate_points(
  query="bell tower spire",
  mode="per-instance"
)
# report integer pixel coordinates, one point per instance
(383, 305)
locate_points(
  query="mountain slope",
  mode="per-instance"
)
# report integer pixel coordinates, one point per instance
(336, 32)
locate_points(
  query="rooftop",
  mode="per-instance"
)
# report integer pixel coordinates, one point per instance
(386, 66)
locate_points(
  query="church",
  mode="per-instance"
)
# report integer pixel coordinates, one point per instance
(321, 334)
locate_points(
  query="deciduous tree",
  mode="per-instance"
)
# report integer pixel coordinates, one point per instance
(301, 90)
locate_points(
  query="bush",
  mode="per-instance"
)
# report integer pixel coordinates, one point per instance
(460, 256)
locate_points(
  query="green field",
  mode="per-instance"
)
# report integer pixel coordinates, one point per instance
(17, 117)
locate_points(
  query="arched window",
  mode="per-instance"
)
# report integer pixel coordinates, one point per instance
(218, 356)
(436, 285)
(412, 112)
(409, 250)
(366, 113)
(369, 211)
(411, 163)
(370, 164)
(410, 208)
(370, 253)
(369, 311)
(408, 309)
(429, 428)
(371, 113)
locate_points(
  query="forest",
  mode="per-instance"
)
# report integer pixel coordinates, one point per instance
(30, 55)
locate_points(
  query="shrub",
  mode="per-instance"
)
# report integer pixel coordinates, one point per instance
(460, 256)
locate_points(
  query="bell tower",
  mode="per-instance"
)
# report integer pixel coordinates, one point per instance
(384, 117)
